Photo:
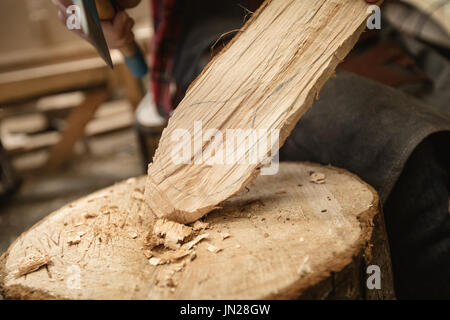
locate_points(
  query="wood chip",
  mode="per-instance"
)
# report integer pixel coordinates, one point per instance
(81, 233)
(131, 181)
(173, 256)
(168, 256)
(180, 267)
(148, 253)
(75, 238)
(193, 256)
(172, 233)
(304, 268)
(78, 222)
(155, 261)
(317, 177)
(95, 199)
(200, 225)
(137, 196)
(192, 243)
(213, 249)
(225, 235)
(31, 264)
(133, 235)
(89, 215)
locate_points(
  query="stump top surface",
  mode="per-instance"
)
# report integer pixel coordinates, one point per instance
(286, 233)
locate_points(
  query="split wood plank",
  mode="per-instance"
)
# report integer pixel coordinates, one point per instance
(265, 79)
(287, 237)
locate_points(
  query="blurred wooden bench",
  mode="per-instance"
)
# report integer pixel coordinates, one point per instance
(28, 76)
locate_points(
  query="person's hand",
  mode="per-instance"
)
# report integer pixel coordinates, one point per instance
(118, 32)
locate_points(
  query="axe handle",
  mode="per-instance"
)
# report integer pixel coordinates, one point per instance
(131, 52)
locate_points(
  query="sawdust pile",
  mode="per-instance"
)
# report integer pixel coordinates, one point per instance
(173, 244)
(169, 242)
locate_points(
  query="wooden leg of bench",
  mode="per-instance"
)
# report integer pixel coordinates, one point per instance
(75, 127)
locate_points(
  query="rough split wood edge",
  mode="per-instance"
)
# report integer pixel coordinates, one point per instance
(274, 260)
(266, 78)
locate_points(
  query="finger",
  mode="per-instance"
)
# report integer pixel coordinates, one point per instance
(127, 28)
(119, 22)
(127, 35)
(108, 30)
(112, 37)
(129, 39)
(125, 41)
(118, 31)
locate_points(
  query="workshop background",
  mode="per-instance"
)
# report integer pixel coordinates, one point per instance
(67, 120)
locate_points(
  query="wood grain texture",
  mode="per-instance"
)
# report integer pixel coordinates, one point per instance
(286, 237)
(265, 79)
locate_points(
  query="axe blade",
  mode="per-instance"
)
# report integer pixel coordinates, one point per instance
(92, 28)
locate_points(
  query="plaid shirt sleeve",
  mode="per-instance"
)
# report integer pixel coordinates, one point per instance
(167, 20)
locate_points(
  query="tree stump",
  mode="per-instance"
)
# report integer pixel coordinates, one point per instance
(308, 232)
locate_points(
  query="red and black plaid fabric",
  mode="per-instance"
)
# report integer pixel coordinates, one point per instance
(168, 22)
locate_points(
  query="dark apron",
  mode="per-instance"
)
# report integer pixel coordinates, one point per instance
(364, 127)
